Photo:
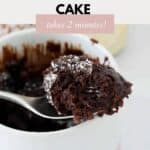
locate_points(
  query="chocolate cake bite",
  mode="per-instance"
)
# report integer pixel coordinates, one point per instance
(78, 86)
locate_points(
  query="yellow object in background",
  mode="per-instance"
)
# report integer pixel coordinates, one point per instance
(114, 42)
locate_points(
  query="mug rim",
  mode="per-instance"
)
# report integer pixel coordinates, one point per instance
(15, 34)
(62, 131)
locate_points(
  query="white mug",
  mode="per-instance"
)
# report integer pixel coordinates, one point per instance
(101, 133)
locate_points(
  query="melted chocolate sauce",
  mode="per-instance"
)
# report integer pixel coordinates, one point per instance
(22, 73)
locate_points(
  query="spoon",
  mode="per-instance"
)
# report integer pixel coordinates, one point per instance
(37, 105)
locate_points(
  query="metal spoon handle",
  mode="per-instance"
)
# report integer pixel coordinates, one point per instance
(21, 100)
(35, 104)
(16, 98)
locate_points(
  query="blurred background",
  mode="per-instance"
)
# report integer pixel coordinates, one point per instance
(130, 45)
(134, 62)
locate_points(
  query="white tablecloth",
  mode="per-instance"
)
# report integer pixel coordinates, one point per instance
(134, 63)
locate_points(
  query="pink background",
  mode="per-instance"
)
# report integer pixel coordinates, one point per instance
(105, 23)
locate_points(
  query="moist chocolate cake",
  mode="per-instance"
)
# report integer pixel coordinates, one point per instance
(78, 86)
(23, 75)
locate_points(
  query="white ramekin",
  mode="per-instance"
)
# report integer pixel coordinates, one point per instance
(97, 134)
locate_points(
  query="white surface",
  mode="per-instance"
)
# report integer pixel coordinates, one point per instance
(134, 62)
